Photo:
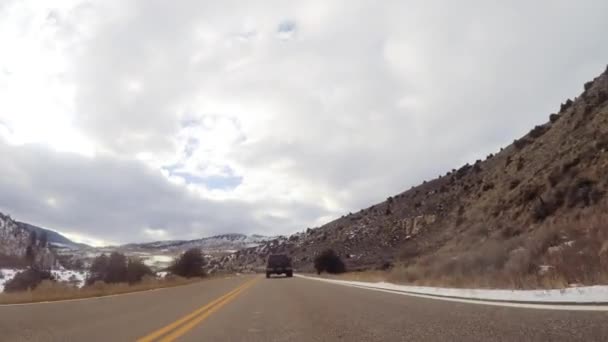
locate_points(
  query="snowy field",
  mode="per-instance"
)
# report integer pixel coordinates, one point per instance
(76, 278)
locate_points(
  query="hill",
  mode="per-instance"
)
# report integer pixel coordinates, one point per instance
(19, 246)
(54, 238)
(217, 243)
(532, 214)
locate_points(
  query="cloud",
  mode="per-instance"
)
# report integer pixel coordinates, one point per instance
(117, 200)
(286, 113)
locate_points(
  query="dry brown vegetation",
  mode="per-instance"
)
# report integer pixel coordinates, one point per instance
(559, 253)
(49, 291)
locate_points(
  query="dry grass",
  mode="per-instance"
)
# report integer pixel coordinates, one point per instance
(554, 254)
(49, 291)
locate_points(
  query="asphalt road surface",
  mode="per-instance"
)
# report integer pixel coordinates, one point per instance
(252, 308)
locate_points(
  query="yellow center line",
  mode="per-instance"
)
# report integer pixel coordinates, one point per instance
(168, 328)
(193, 323)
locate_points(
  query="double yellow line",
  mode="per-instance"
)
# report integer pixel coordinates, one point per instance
(178, 328)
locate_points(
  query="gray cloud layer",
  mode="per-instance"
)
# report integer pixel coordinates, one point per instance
(316, 107)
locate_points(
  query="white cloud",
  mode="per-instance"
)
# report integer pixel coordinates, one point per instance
(292, 112)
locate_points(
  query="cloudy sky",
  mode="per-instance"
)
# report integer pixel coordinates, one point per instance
(142, 120)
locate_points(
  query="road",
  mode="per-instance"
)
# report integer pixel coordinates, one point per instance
(252, 308)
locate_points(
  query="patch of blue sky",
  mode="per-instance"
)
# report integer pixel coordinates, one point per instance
(226, 181)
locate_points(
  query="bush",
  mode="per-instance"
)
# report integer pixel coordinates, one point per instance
(189, 265)
(538, 131)
(530, 192)
(514, 184)
(602, 96)
(27, 280)
(553, 117)
(566, 105)
(520, 164)
(546, 208)
(137, 271)
(117, 268)
(554, 176)
(583, 193)
(521, 143)
(328, 261)
(519, 262)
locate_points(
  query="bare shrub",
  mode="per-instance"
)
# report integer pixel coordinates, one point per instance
(554, 117)
(514, 184)
(570, 164)
(521, 143)
(541, 239)
(117, 268)
(545, 208)
(520, 163)
(530, 192)
(138, 271)
(538, 131)
(519, 262)
(328, 261)
(566, 105)
(27, 280)
(582, 193)
(189, 265)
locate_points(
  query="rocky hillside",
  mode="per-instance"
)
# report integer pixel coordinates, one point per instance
(13, 238)
(212, 244)
(55, 239)
(20, 247)
(513, 215)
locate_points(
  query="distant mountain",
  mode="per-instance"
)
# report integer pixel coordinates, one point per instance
(13, 238)
(17, 244)
(54, 238)
(218, 243)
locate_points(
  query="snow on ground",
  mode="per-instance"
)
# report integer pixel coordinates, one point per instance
(76, 278)
(157, 261)
(6, 274)
(573, 295)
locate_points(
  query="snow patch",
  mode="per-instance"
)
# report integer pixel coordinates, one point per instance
(72, 277)
(76, 278)
(573, 295)
(7, 274)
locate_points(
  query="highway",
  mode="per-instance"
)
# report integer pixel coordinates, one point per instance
(252, 308)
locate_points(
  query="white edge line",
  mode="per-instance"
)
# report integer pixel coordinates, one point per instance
(568, 307)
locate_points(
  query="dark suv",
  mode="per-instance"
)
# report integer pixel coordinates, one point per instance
(279, 264)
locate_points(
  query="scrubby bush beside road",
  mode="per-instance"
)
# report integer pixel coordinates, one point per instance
(328, 261)
(189, 265)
